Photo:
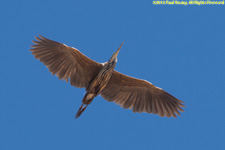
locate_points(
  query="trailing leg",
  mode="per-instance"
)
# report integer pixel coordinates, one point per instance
(85, 102)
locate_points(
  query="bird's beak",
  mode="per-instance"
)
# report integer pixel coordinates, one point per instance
(117, 52)
(119, 49)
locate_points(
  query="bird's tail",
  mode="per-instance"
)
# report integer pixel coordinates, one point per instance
(81, 110)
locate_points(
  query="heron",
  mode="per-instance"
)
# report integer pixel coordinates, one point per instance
(71, 65)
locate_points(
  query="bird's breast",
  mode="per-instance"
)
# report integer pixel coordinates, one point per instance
(101, 80)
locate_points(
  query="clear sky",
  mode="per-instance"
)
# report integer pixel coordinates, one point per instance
(178, 48)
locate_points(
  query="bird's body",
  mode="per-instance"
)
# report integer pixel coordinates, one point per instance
(69, 63)
(97, 85)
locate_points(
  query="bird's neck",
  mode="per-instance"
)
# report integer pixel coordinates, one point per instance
(111, 64)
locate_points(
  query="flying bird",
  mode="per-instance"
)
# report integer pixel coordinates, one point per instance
(70, 64)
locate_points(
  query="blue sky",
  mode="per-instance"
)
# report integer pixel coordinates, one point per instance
(178, 48)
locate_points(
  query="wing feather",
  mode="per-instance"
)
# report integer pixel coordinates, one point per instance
(65, 62)
(141, 96)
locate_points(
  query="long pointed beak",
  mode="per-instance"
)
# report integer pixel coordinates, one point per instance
(117, 52)
(114, 56)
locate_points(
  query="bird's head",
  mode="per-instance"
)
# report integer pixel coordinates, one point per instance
(114, 56)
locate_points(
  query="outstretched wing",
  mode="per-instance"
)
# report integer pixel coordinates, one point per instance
(141, 96)
(66, 62)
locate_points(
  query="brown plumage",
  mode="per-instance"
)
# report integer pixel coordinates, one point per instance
(70, 64)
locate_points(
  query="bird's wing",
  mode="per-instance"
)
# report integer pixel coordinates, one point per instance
(66, 62)
(140, 95)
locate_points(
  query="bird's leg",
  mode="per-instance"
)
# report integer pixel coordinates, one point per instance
(81, 110)
(86, 101)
